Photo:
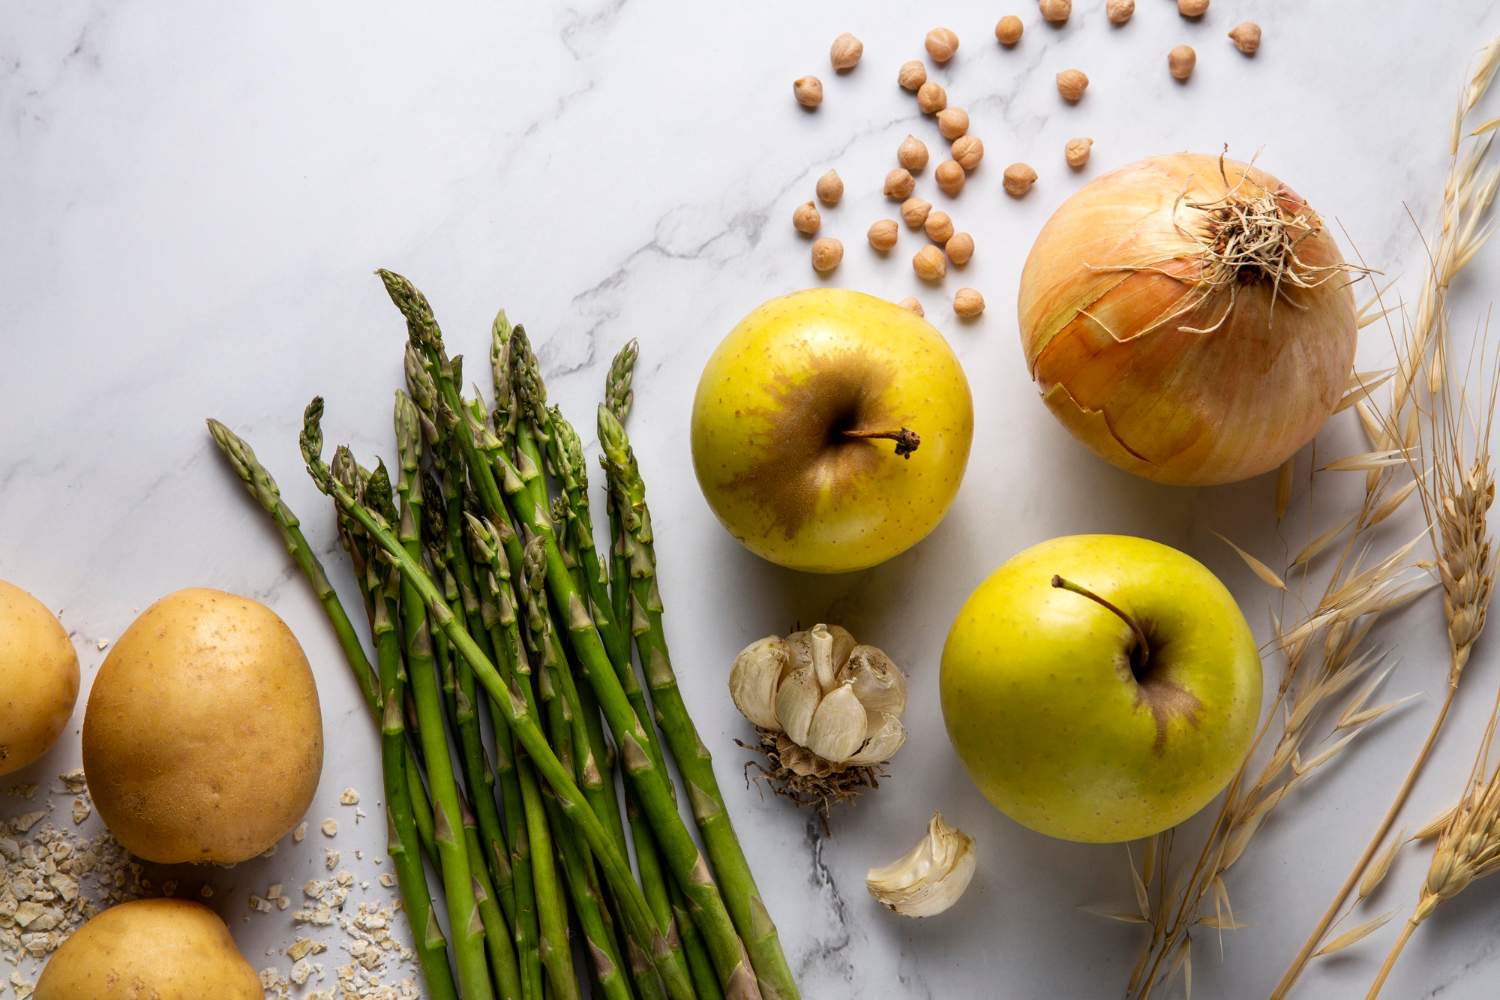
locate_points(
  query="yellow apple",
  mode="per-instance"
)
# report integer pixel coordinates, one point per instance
(1101, 688)
(831, 430)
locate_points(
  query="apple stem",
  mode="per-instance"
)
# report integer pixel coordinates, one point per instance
(1140, 634)
(906, 440)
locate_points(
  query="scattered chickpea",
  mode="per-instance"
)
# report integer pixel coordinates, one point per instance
(941, 44)
(883, 234)
(968, 150)
(939, 227)
(913, 305)
(899, 183)
(830, 188)
(1119, 11)
(913, 74)
(949, 176)
(914, 211)
(1056, 11)
(1071, 83)
(1192, 8)
(846, 51)
(929, 263)
(1181, 61)
(808, 91)
(953, 122)
(1246, 37)
(1018, 179)
(1077, 151)
(931, 98)
(1008, 29)
(806, 218)
(968, 303)
(912, 153)
(960, 248)
(826, 253)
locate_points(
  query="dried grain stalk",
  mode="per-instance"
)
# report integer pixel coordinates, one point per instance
(1456, 491)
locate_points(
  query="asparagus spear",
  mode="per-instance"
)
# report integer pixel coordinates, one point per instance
(263, 487)
(521, 720)
(497, 939)
(464, 921)
(684, 860)
(694, 762)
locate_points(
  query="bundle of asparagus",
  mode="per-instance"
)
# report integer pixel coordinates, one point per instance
(487, 595)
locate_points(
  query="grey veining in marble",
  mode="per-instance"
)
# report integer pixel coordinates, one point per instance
(193, 198)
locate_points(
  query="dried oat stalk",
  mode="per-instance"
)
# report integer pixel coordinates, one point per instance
(1456, 491)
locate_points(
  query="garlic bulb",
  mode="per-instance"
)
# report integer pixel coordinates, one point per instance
(825, 693)
(931, 877)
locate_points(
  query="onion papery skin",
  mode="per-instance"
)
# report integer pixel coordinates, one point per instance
(1147, 362)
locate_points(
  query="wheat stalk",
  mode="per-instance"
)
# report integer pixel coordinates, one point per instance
(1468, 192)
(1457, 508)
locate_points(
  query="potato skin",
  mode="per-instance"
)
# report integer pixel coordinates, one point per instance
(203, 740)
(165, 949)
(38, 678)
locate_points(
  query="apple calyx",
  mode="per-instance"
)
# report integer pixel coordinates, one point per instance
(1140, 633)
(906, 440)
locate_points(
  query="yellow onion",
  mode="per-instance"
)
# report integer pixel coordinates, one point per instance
(1189, 318)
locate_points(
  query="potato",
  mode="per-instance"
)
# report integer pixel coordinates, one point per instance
(202, 740)
(38, 678)
(164, 949)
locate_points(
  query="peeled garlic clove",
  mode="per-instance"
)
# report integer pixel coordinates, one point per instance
(879, 683)
(929, 879)
(797, 699)
(838, 728)
(889, 736)
(755, 677)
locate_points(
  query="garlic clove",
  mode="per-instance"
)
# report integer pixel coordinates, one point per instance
(797, 699)
(931, 877)
(879, 683)
(843, 644)
(838, 727)
(888, 737)
(821, 641)
(755, 677)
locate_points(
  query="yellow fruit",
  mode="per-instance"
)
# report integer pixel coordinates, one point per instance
(782, 423)
(202, 740)
(38, 678)
(1065, 723)
(150, 949)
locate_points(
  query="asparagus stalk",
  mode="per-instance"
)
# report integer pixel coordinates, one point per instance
(432, 949)
(522, 722)
(264, 489)
(464, 921)
(694, 762)
(497, 940)
(684, 860)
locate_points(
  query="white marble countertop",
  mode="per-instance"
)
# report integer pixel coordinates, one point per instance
(194, 197)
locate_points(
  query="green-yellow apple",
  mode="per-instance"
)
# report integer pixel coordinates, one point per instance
(831, 430)
(1101, 688)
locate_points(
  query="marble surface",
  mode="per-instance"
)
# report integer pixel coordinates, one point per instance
(193, 199)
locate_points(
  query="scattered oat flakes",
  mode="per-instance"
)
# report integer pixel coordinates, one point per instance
(349, 798)
(169, 887)
(268, 851)
(330, 827)
(300, 832)
(74, 781)
(24, 823)
(101, 644)
(257, 903)
(81, 810)
(206, 891)
(387, 880)
(331, 858)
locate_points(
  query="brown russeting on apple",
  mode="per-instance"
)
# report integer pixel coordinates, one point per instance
(817, 436)
(1158, 692)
